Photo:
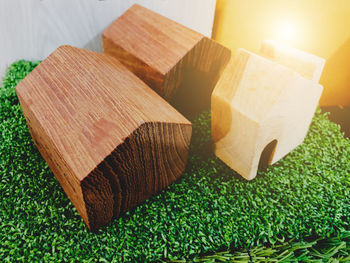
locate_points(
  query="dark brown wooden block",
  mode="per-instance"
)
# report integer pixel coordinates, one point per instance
(110, 140)
(180, 64)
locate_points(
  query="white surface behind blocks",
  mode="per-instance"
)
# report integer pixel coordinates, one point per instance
(32, 29)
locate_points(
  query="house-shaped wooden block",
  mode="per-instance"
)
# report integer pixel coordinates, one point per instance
(110, 140)
(260, 106)
(307, 65)
(180, 64)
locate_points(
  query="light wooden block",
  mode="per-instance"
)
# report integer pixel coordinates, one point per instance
(110, 140)
(259, 104)
(307, 65)
(180, 64)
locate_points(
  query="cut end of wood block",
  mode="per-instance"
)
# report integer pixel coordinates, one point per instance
(261, 110)
(110, 140)
(306, 64)
(180, 64)
(149, 160)
(98, 198)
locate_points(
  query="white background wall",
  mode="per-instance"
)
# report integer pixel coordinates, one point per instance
(32, 29)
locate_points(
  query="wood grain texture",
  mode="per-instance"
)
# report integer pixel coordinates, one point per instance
(306, 64)
(32, 29)
(110, 140)
(260, 106)
(180, 64)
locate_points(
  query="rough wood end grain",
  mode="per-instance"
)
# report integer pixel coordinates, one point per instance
(180, 64)
(110, 140)
(261, 111)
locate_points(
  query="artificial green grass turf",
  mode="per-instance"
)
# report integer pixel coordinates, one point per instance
(211, 208)
(334, 249)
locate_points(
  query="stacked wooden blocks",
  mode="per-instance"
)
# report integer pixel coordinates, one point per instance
(111, 141)
(262, 106)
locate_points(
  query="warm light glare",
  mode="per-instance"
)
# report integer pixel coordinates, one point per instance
(286, 32)
(315, 26)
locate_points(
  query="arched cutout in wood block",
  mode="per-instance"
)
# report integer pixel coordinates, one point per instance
(180, 64)
(254, 102)
(307, 65)
(267, 155)
(110, 140)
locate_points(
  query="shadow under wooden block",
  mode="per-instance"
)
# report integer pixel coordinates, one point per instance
(110, 140)
(180, 64)
(341, 116)
(307, 65)
(260, 106)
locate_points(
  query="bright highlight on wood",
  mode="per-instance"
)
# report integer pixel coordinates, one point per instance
(307, 65)
(110, 140)
(180, 64)
(261, 110)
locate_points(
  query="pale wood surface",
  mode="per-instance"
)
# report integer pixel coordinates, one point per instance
(110, 140)
(306, 64)
(32, 29)
(257, 102)
(178, 63)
